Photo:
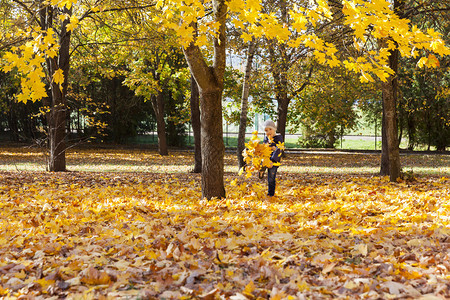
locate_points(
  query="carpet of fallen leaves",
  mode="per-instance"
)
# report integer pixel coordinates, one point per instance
(147, 235)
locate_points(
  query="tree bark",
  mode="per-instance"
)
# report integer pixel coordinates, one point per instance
(196, 126)
(384, 166)
(390, 92)
(158, 107)
(57, 131)
(244, 103)
(279, 69)
(57, 115)
(283, 105)
(390, 158)
(281, 81)
(213, 148)
(210, 83)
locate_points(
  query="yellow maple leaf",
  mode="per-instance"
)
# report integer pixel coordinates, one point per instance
(249, 289)
(73, 23)
(236, 5)
(422, 62)
(333, 62)
(256, 155)
(58, 77)
(51, 52)
(50, 37)
(39, 91)
(299, 23)
(238, 23)
(201, 40)
(246, 37)
(433, 61)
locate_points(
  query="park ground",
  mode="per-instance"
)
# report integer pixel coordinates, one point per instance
(130, 224)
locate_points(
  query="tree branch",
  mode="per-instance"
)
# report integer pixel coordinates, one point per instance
(200, 70)
(10, 44)
(90, 11)
(296, 92)
(220, 12)
(32, 15)
(105, 43)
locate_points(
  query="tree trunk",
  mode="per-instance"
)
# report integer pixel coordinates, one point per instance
(196, 126)
(244, 103)
(213, 148)
(279, 69)
(390, 92)
(158, 107)
(12, 121)
(280, 65)
(57, 115)
(57, 131)
(330, 139)
(283, 104)
(384, 166)
(210, 83)
(411, 131)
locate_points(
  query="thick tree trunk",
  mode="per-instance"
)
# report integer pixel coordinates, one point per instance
(390, 92)
(196, 126)
(244, 103)
(213, 148)
(57, 115)
(158, 107)
(210, 83)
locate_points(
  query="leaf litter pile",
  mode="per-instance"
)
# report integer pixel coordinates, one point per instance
(93, 235)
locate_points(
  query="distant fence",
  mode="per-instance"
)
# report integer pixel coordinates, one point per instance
(230, 139)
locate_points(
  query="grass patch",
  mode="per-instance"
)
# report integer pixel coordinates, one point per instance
(142, 160)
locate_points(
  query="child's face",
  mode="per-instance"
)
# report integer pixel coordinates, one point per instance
(270, 132)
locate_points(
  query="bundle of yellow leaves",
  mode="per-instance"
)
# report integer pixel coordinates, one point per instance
(257, 155)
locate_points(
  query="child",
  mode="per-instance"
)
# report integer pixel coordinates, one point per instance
(272, 138)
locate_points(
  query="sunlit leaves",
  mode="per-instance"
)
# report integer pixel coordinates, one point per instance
(375, 19)
(58, 77)
(31, 59)
(257, 155)
(63, 3)
(370, 21)
(27, 59)
(430, 61)
(73, 23)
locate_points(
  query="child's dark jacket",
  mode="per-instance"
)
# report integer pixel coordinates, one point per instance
(276, 155)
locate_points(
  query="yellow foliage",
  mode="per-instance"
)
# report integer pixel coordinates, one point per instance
(73, 23)
(368, 19)
(256, 155)
(58, 77)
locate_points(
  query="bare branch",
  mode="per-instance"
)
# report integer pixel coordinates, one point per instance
(91, 12)
(32, 15)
